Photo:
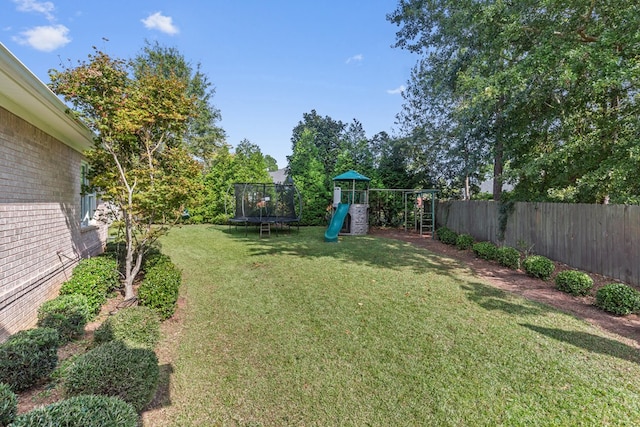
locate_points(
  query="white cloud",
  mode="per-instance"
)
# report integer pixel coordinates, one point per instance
(355, 58)
(397, 90)
(44, 7)
(162, 23)
(47, 38)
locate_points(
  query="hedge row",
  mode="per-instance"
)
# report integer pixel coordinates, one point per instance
(112, 382)
(616, 298)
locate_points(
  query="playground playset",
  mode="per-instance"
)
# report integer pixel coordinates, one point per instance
(278, 206)
(351, 207)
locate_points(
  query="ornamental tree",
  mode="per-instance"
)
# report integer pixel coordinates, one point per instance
(139, 163)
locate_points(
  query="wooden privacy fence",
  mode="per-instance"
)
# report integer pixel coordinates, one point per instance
(602, 239)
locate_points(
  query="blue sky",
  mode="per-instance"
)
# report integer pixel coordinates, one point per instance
(270, 61)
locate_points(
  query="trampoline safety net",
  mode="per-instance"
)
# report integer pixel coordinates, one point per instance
(266, 203)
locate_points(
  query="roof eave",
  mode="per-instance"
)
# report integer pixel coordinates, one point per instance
(24, 95)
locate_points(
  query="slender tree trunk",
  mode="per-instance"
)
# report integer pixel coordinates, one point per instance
(497, 170)
(128, 261)
(498, 152)
(467, 191)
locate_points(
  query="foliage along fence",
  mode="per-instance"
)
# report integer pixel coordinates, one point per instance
(602, 239)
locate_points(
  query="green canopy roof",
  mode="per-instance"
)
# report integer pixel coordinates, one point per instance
(351, 175)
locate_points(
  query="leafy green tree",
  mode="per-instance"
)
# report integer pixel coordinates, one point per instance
(250, 165)
(203, 136)
(356, 151)
(327, 137)
(272, 164)
(138, 163)
(548, 90)
(308, 174)
(217, 195)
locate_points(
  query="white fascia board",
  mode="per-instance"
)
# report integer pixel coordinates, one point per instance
(24, 95)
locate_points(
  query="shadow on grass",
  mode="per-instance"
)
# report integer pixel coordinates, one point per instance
(494, 299)
(590, 342)
(364, 250)
(162, 398)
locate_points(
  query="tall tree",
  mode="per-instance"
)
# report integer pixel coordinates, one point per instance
(550, 88)
(203, 136)
(272, 164)
(249, 163)
(327, 137)
(138, 162)
(309, 176)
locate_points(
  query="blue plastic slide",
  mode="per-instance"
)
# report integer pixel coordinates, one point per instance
(331, 235)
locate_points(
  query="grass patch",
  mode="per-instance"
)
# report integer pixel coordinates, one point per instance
(370, 331)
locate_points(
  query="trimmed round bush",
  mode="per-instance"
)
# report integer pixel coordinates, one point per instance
(68, 314)
(81, 411)
(539, 266)
(509, 257)
(486, 250)
(27, 357)
(115, 369)
(618, 298)
(160, 288)
(446, 235)
(8, 404)
(94, 278)
(574, 282)
(137, 326)
(153, 258)
(464, 242)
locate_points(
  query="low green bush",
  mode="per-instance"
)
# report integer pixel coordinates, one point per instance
(115, 369)
(446, 235)
(574, 282)
(136, 326)
(486, 250)
(538, 266)
(153, 258)
(8, 404)
(94, 278)
(509, 257)
(28, 356)
(618, 298)
(68, 314)
(160, 287)
(81, 411)
(464, 242)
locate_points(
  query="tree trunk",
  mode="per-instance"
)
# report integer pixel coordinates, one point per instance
(467, 191)
(497, 170)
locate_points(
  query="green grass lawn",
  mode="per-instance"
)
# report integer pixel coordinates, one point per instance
(374, 332)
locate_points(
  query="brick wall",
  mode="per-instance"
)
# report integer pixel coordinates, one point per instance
(40, 235)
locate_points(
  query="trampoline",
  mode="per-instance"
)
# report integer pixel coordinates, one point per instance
(266, 205)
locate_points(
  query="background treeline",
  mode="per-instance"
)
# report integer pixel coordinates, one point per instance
(544, 93)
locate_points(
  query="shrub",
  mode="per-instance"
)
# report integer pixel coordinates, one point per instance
(446, 235)
(486, 250)
(154, 258)
(160, 287)
(28, 356)
(68, 314)
(538, 266)
(8, 404)
(115, 369)
(136, 326)
(618, 298)
(509, 257)
(464, 242)
(93, 278)
(81, 411)
(574, 282)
